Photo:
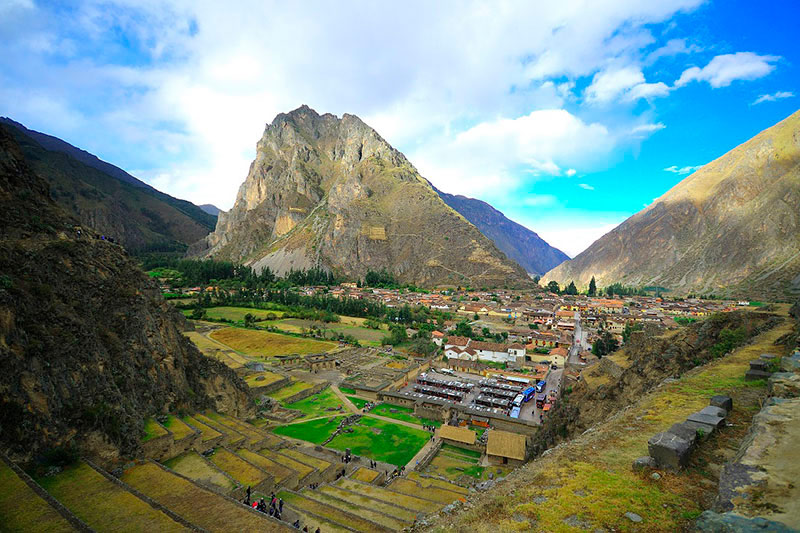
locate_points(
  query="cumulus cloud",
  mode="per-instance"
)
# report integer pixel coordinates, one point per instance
(780, 95)
(571, 172)
(725, 69)
(682, 171)
(625, 84)
(586, 186)
(673, 47)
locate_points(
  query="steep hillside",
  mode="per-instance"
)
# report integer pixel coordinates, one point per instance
(732, 227)
(110, 200)
(330, 192)
(88, 346)
(516, 241)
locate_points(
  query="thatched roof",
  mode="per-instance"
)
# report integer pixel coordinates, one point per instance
(458, 434)
(506, 444)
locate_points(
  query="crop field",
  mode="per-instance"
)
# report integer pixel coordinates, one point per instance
(382, 441)
(237, 314)
(266, 344)
(403, 413)
(191, 465)
(315, 431)
(236, 467)
(348, 326)
(102, 504)
(289, 390)
(22, 509)
(317, 405)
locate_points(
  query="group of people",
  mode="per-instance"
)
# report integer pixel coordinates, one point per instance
(275, 508)
(430, 428)
(373, 464)
(296, 525)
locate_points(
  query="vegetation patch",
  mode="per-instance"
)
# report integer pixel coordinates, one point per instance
(359, 499)
(262, 379)
(358, 402)
(191, 465)
(178, 428)
(23, 510)
(320, 404)
(265, 344)
(393, 444)
(290, 390)
(152, 430)
(314, 431)
(207, 432)
(237, 314)
(236, 467)
(347, 390)
(388, 496)
(402, 413)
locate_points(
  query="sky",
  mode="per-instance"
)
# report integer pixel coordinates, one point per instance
(568, 116)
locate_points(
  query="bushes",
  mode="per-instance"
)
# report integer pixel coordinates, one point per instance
(729, 339)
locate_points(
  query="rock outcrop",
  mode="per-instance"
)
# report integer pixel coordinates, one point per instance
(516, 241)
(88, 346)
(732, 227)
(329, 192)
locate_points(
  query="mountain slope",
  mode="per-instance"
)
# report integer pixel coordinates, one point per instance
(211, 209)
(516, 241)
(110, 200)
(732, 227)
(330, 192)
(89, 347)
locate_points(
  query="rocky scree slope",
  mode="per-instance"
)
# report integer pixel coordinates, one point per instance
(516, 241)
(88, 346)
(108, 199)
(732, 227)
(329, 192)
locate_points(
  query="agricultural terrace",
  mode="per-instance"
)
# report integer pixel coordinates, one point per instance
(290, 390)
(236, 314)
(317, 405)
(216, 350)
(405, 414)
(259, 343)
(452, 463)
(152, 430)
(23, 510)
(364, 335)
(262, 379)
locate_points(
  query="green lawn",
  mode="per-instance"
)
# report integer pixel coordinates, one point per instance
(347, 390)
(152, 430)
(366, 336)
(316, 405)
(314, 431)
(403, 413)
(382, 441)
(236, 313)
(290, 390)
(358, 402)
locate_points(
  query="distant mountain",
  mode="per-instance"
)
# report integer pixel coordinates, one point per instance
(516, 241)
(732, 228)
(109, 199)
(210, 209)
(329, 192)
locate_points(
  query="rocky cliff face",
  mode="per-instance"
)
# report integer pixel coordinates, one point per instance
(732, 227)
(516, 241)
(88, 346)
(108, 199)
(329, 192)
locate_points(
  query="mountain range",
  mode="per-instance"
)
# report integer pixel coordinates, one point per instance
(329, 192)
(731, 228)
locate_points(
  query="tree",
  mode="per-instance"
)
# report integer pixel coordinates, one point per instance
(553, 287)
(463, 329)
(592, 287)
(571, 289)
(605, 344)
(249, 320)
(476, 317)
(397, 335)
(198, 313)
(536, 279)
(486, 332)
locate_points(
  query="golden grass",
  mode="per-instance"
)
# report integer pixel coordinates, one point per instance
(440, 483)
(269, 377)
(191, 465)
(152, 430)
(251, 434)
(378, 493)
(316, 462)
(267, 344)
(178, 428)
(407, 486)
(207, 432)
(365, 511)
(290, 390)
(365, 501)
(302, 469)
(277, 471)
(22, 510)
(327, 512)
(103, 505)
(237, 468)
(365, 475)
(216, 350)
(200, 507)
(234, 437)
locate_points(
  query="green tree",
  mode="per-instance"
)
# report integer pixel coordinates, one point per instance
(486, 332)
(592, 287)
(249, 320)
(571, 288)
(463, 329)
(605, 344)
(553, 287)
(198, 313)
(476, 317)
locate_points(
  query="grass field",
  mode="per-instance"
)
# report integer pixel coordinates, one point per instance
(236, 313)
(178, 428)
(382, 441)
(207, 432)
(347, 326)
(302, 469)
(201, 507)
(253, 380)
(212, 348)
(237, 468)
(316, 405)
(191, 465)
(266, 344)
(22, 510)
(365, 475)
(347, 390)
(104, 505)
(358, 402)
(315, 431)
(386, 508)
(152, 430)
(388, 496)
(319, 464)
(403, 413)
(327, 512)
(366, 511)
(289, 390)
(279, 472)
(437, 494)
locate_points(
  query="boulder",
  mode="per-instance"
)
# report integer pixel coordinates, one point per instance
(711, 522)
(725, 402)
(643, 463)
(669, 450)
(791, 363)
(784, 385)
(754, 375)
(684, 431)
(714, 411)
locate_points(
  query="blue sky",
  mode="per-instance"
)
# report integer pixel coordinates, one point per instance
(565, 116)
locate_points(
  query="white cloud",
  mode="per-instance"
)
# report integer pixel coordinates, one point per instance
(682, 171)
(573, 239)
(646, 129)
(586, 186)
(780, 95)
(571, 172)
(626, 84)
(647, 91)
(673, 47)
(725, 69)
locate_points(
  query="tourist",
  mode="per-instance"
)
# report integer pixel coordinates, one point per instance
(248, 493)
(296, 524)
(280, 504)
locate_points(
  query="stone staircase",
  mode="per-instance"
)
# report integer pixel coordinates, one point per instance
(201, 488)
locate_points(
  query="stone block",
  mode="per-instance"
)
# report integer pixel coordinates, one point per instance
(759, 364)
(706, 429)
(714, 411)
(767, 356)
(754, 375)
(684, 431)
(724, 402)
(669, 450)
(643, 463)
(711, 420)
